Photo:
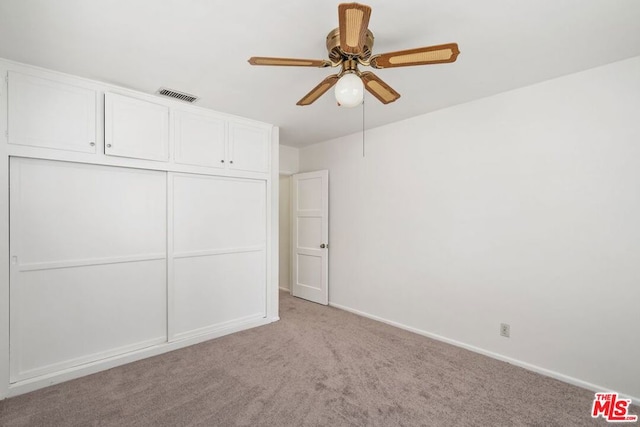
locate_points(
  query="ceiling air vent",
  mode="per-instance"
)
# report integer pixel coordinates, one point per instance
(177, 95)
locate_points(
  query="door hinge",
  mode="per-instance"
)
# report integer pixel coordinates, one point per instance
(6, 78)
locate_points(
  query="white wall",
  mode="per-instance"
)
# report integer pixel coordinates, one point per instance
(521, 208)
(285, 233)
(288, 160)
(288, 165)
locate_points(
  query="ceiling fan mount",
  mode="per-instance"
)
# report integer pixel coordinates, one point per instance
(350, 45)
(336, 55)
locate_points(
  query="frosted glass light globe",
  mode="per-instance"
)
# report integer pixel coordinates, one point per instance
(349, 90)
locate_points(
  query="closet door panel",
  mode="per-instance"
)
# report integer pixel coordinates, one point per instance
(69, 316)
(218, 270)
(85, 213)
(88, 263)
(215, 213)
(214, 289)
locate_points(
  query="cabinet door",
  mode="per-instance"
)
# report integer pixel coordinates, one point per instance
(248, 147)
(46, 113)
(199, 139)
(136, 128)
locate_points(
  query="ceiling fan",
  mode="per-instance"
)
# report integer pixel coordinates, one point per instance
(350, 45)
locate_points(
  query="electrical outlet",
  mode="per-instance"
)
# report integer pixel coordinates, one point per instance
(505, 330)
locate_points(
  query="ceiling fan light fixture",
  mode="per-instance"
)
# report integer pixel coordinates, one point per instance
(349, 46)
(349, 90)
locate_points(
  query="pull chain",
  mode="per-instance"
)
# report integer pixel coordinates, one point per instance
(363, 128)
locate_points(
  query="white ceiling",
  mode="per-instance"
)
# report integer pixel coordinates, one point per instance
(202, 46)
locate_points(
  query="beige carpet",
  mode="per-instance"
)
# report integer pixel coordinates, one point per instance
(317, 366)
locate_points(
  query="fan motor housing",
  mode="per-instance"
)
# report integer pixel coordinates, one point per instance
(336, 54)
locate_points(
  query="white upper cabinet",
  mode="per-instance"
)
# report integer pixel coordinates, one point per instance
(50, 114)
(136, 128)
(206, 139)
(199, 139)
(248, 147)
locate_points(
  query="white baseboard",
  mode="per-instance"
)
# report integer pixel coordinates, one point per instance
(284, 289)
(537, 369)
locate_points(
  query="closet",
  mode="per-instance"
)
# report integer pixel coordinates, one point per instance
(137, 225)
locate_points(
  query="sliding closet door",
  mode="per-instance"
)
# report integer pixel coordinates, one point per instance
(88, 263)
(217, 252)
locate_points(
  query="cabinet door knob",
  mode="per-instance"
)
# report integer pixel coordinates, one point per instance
(231, 161)
(108, 145)
(221, 161)
(322, 246)
(92, 144)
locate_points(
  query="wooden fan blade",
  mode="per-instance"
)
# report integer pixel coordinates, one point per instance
(353, 21)
(289, 62)
(319, 90)
(378, 88)
(421, 56)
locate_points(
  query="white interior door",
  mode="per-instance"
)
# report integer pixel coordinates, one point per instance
(310, 234)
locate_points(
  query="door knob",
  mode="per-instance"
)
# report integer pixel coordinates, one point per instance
(322, 246)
